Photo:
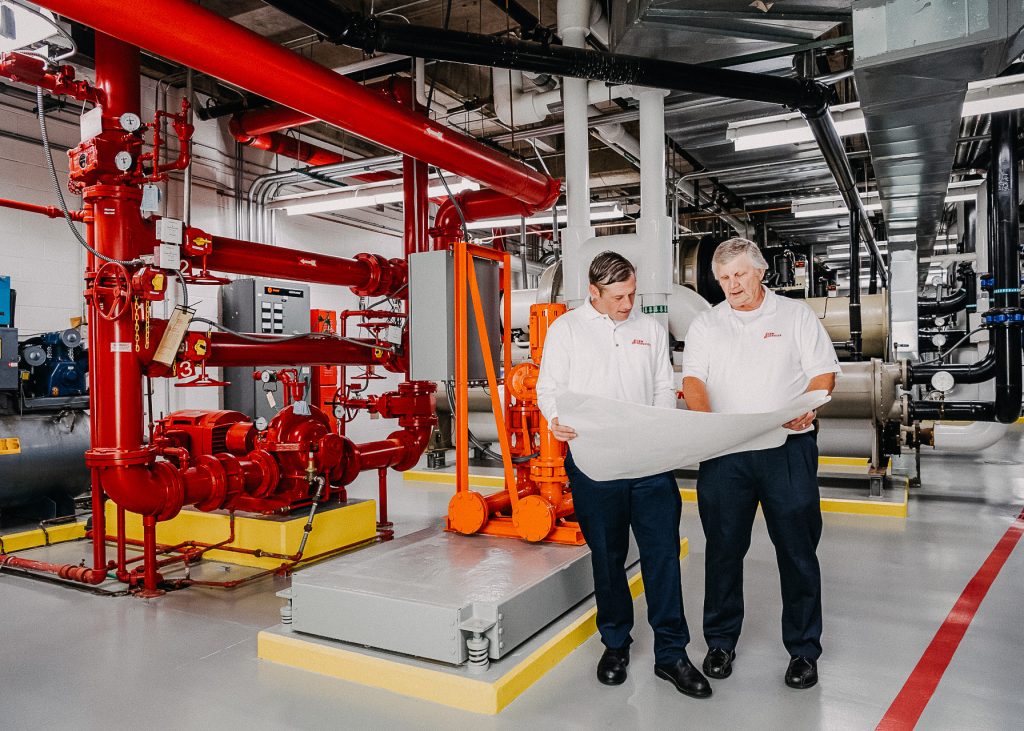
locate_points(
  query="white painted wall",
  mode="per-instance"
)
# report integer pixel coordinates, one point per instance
(45, 262)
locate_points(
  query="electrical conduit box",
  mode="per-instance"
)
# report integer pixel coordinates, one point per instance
(432, 317)
(268, 307)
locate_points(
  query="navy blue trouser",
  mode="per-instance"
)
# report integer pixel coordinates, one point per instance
(651, 506)
(784, 481)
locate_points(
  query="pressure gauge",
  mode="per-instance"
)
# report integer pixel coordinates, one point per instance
(261, 423)
(130, 122)
(339, 412)
(938, 340)
(943, 381)
(123, 161)
(940, 321)
(265, 376)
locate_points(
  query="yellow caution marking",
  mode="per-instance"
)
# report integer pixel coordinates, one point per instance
(448, 478)
(13, 542)
(10, 445)
(445, 688)
(849, 506)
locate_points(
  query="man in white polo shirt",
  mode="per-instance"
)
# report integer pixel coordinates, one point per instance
(607, 348)
(754, 353)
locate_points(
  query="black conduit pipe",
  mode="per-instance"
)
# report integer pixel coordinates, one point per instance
(528, 22)
(811, 98)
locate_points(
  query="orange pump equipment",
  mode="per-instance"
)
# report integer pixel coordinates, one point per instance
(536, 504)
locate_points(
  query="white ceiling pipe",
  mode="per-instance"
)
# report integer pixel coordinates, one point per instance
(514, 106)
(654, 228)
(573, 26)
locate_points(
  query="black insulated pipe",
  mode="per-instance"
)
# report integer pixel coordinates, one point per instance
(810, 97)
(375, 34)
(856, 341)
(977, 372)
(1006, 318)
(945, 306)
(528, 23)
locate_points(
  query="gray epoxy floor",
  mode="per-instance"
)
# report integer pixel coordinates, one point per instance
(188, 660)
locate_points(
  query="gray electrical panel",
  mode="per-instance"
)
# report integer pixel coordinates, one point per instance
(8, 358)
(260, 306)
(432, 317)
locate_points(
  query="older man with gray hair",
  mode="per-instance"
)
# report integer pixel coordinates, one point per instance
(754, 353)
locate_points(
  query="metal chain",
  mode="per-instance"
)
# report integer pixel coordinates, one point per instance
(149, 310)
(135, 318)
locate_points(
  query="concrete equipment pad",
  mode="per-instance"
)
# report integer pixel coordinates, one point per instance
(425, 594)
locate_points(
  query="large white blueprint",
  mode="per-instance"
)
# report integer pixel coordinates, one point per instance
(617, 440)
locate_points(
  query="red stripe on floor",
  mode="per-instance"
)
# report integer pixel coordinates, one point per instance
(910, 703)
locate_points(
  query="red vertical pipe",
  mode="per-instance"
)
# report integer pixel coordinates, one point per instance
(117, 75)
(414, 179)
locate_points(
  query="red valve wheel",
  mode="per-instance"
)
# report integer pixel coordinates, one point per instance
(112, 290)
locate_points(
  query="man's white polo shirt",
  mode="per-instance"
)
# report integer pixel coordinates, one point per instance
(590, 353)
(757, 361)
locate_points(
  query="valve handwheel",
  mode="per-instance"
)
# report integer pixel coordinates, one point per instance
(112, 290)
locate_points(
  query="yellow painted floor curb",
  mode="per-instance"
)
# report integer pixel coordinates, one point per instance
(333, 527)
(437, 686)
(42, 537)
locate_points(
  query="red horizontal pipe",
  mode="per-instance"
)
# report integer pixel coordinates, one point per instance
(220, 48)
(51, 211)
(368, 273)
(65, 571)
(227, 350)
(271, 119)
(476, 205)
(292, 148)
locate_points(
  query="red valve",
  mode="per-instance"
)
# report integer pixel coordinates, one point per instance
(111, 290)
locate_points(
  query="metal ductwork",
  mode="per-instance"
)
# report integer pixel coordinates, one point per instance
(913, 62)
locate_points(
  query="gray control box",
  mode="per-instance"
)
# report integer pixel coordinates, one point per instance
(432, 317)
(260, 306)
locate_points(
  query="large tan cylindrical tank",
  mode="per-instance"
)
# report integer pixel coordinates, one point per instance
(834, 313)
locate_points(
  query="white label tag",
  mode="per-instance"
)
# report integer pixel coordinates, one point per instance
(120, 347)
(271, 400)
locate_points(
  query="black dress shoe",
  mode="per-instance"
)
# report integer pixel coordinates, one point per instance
(718, 663)
(685, 677)
(611, 669)
(802, 672)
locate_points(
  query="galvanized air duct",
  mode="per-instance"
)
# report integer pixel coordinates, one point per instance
(911, 85)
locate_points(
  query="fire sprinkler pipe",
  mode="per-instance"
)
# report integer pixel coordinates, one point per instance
(232, 351)
(49, 211)
(476, 205)
(368, 274)
(291, 147)
(223, 49)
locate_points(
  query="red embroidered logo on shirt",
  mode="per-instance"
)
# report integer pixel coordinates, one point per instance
(638, 341)
(771, 334)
